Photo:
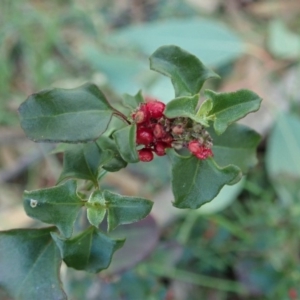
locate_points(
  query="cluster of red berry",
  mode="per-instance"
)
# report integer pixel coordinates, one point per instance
(155, 132)
(151, 131)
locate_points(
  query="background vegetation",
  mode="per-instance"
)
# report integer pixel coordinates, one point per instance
(245, 244)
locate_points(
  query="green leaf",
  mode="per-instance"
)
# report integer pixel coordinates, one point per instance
(59, 148)
(83, 161)
(216, 44)
(122, 71)
(237, 146)
(30, 264)
(117, 162)
(116, 121)
(126, 143)
(203, 112)
(210, 39)
(58, 205)
(91, 250)
(96, 208)
(230, 107)
(284, 146)
(133, 102)
(186, 107)
(225, 198)
(279, 35)
(195, 181)
(182, 107)
(60, 115)
(282, 157)
(125, 209)
(186, 71)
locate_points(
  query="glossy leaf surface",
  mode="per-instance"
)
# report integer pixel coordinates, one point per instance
(60, 115)
(96, 208)
(195, 181)
(58, 205)
(237, 146)
(126, 143)
(230, 107)
(30, 264)
(91, 250)
(186, 71)
(83, 161)
(125, 209)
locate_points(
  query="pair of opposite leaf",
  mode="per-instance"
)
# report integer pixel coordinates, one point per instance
(61, 204)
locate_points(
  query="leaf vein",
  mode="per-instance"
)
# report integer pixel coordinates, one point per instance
(33, 266)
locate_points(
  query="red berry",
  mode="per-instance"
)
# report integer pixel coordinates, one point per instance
(144, 136)
(145, 155)
(199, 151)
(293, 293)
(167, 138)
(200, 155)
(159, 131)
(142, 115)
(204, 153)
(155, 108)
(160, 148)
(208, 152)
(139, 117)
(177, 129)
(194, 146)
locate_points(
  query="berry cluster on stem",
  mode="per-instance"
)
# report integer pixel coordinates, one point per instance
(155, 133)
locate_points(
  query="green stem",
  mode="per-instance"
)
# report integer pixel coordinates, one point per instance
(233, 228)
(121, 116)
(95, 205)
(185, 229)
(197, 279)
